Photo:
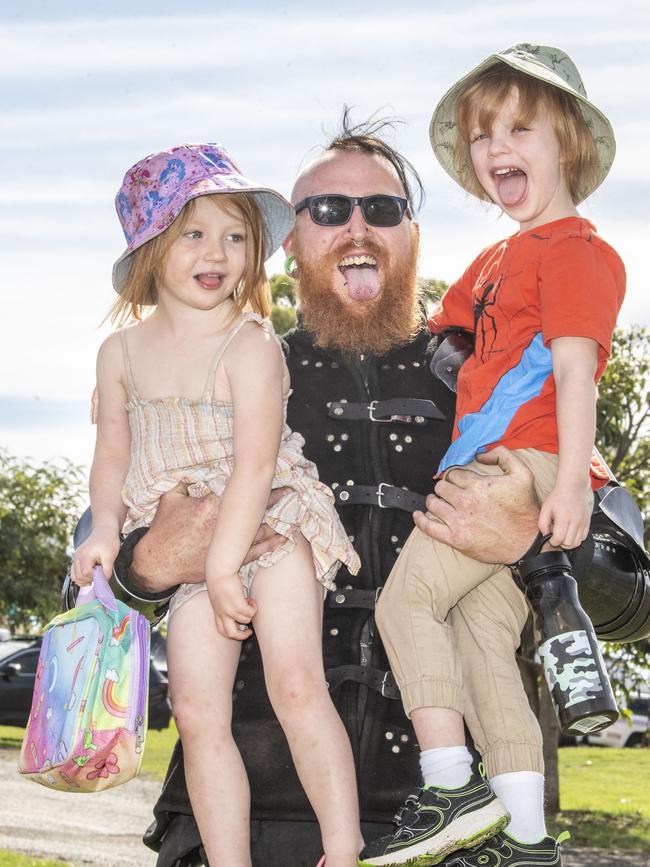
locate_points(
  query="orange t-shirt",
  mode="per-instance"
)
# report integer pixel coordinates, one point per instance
(557, 280)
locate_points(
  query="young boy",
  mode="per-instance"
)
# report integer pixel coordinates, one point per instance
(518, 131)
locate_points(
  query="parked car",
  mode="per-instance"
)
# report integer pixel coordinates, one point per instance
(18, 662)
(627, 731)
(159, 652)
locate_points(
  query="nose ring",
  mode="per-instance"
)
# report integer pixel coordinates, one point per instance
(358, 243)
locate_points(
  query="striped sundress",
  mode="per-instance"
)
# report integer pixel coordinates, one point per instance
(178, 440)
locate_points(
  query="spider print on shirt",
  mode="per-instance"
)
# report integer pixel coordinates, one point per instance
(483, 318)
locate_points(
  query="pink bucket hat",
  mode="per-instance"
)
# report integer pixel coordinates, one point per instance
(155, 190)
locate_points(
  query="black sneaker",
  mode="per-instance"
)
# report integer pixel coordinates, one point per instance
(436, 822)
(504, 851)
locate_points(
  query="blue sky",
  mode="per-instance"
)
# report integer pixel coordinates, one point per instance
(87, 89)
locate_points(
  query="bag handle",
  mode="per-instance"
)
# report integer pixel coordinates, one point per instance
(100, 589)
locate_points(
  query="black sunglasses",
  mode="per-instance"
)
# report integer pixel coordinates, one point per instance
(336, 210)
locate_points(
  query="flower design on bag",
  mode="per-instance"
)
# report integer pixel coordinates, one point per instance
(104, 767)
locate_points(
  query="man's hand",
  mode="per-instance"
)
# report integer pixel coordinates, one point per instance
(175, 548)
(492, 518)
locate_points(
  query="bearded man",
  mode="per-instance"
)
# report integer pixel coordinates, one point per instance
(376, 422)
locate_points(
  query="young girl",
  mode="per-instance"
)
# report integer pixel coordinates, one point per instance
(195, 395)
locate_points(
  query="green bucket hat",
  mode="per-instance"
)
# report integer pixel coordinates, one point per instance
(539, 61)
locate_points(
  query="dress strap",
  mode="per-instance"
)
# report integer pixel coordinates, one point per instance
(130, 382)
(208, 391)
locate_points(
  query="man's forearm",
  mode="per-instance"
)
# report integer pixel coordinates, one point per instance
(174, 550)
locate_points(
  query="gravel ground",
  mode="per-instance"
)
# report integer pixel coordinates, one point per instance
(598, 858)
(100, 829)
(106, 828)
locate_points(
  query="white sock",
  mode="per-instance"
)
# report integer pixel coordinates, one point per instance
(522, 794)
(446, 767)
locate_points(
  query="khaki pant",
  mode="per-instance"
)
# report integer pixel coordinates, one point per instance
(451, 626)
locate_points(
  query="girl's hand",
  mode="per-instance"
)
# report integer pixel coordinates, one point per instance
(231, 607)
(566, 514)
(101, 547)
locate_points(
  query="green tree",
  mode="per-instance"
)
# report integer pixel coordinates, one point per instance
(432, 291)
(624, 440)
(624, 413)
(283, 311)
(38, 510)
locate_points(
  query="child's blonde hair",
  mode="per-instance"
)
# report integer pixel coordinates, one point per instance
(148, 263)
(485, 96)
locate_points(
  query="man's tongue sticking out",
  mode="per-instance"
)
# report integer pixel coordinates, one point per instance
(512, 187)
(362, 282)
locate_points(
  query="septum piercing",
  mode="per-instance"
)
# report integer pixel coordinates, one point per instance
(358, 243)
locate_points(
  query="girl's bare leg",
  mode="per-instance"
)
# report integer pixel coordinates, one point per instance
(202, 666)
(288, 626)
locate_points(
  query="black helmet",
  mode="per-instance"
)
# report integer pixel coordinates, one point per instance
(614, 584)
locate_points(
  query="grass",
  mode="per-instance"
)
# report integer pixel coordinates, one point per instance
(158, 751)
(10, 737)
(605, 797)
(15, 859)
(604, 792)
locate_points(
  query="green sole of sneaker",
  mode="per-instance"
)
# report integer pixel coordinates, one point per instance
(426, 859)
(469, 843)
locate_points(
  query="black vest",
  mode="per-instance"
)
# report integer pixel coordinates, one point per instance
(376, 428)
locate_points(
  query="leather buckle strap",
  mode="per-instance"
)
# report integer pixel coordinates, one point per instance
(408, 411)
(353, 598)
(375, 678)
(385, 496)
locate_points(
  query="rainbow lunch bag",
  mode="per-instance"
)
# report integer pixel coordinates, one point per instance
(88, 721)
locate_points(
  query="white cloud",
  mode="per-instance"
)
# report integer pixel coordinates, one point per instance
(85, 99)
(151, 43)
(68, 190)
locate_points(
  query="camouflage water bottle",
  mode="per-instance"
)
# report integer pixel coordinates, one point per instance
(568, 649)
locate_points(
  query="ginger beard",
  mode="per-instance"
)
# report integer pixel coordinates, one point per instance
(375, 308)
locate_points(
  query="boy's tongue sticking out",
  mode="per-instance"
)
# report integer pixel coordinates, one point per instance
(512, 184)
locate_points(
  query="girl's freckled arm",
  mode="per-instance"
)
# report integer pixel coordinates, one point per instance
(109, 467)
(112, 448)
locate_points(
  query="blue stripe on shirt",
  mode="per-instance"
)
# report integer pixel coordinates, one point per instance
(519, 385)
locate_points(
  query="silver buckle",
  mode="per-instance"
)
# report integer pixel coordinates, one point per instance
(379, 494)
(407, 419)
(383, 682)
(371, 413)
